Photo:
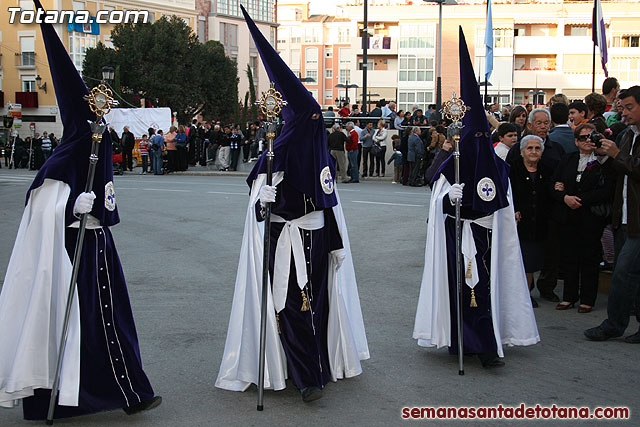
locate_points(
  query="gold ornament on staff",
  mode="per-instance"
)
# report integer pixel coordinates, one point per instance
(100, 99)
(454, 109)
(271, 103)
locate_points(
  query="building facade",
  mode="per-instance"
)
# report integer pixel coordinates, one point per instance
(23, 59)
(540, 48)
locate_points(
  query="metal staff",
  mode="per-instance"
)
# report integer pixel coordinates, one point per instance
(270, 105)
(454, 109)
(100, 103)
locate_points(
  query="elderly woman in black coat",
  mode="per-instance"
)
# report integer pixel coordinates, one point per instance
(531, 185)
(583, 190)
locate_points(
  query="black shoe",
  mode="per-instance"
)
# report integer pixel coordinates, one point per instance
(490, 360)
(534, 303)
(309, 394)
(633, 339)
(145, 405)
(599, 334)
(550, 296)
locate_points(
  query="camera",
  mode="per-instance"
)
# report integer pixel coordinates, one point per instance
(596, 138)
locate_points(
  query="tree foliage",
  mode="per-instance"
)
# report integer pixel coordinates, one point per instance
(165, 63)
(253, 108)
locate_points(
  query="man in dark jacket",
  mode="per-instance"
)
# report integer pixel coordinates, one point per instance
(625, 283)
(195, 143)
(414, 156)
(128, 141)
(336, 141)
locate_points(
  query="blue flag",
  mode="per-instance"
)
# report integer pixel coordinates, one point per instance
(488, 44)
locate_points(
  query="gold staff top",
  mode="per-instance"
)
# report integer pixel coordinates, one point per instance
(271, 103)
(100, 99)
(454, 109)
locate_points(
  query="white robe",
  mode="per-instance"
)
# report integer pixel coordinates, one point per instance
(33, 303)
(347, 343)
(513, 320)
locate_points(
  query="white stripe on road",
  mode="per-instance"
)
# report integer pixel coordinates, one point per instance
(390, 204)
(224, 192)
(164, 189)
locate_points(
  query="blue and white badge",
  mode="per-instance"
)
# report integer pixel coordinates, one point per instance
(486, 189)
(326, 180)
(109, 196)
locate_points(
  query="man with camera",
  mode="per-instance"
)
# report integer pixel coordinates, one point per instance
(625, 283)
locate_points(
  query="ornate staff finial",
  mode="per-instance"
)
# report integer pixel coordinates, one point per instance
(100, 100)
(271, 103)
(454, 109)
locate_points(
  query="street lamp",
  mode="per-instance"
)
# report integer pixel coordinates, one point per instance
(439, 49)
(347, 86)
(108, 74)
(40, 85)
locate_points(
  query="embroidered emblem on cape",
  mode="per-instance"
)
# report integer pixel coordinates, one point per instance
(486, 189)
(109, 196)
(326, 180)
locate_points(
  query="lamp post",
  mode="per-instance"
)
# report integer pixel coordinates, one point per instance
(40, 85)
(439, 49)
(347, 86)
(108, 74)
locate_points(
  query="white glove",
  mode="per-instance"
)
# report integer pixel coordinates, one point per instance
(455, 193)
(339, 255)
(267, 195)
(84, 203)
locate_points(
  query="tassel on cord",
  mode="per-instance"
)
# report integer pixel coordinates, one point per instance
(469, 274)
(305, 302)
(278, 323)
(473, 299)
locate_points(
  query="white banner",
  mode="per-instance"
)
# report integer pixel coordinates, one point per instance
(139, 120)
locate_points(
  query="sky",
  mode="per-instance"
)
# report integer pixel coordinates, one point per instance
(323, 6)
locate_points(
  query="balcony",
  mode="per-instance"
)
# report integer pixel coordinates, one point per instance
(1, 99)
(27, 99)
(25, 60)
(377, 45)
(535, 45)
(381, 78)
(531, 79)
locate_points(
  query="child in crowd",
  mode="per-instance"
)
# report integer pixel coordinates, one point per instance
(396, 158)
(143, 146)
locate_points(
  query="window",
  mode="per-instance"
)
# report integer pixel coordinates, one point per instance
(78, 5)
(78, 45)
(295, 58)
(311, 58)
(272, 36)
(29, 83)
(201, 31)
(415, 68)
(314, 93)
(626, 69)
(577, 30)
(311, 35)
(343, 35)
(328, 94)
(228, 34)
(344, 76)
(296, 35)
(296, 72)
(27, 51)
(107, 41)
(345, 56)
(328, 52)
(26, 5)
(417, 36)
(253, 64)
(328, 74)
(502, 37)
(626, 41)
(312, 74)
(407, 99)
(370, 65)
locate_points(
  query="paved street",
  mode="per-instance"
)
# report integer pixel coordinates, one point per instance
(179, 241)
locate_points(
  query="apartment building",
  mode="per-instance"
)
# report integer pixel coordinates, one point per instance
(24, 70)
(541, 47)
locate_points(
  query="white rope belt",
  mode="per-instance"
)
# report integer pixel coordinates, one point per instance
(469, 247)
(288, 242)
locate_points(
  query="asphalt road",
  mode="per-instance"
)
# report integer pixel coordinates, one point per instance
(179, 242)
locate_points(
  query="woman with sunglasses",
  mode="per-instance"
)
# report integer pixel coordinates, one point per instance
(583, 190)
